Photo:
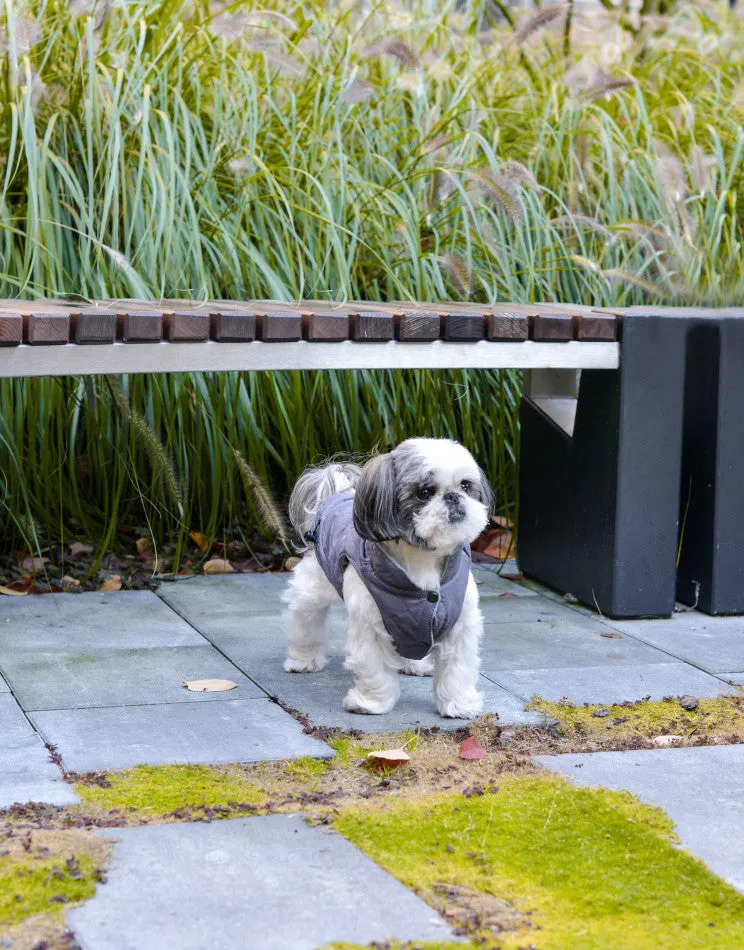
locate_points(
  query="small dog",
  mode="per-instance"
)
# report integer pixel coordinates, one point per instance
(392, 540)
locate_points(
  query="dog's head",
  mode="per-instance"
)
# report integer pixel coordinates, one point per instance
(429, 493)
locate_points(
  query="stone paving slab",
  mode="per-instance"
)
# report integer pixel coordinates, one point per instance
(320, 697)
(4, 688)
(611, 684)
(110, 621)
(55, 679)
(733, 678)
(576, 643)
(26, 772)
(497, 607)
(268, 883)
(714, 644)
(701, 789)
(120, 737)
(230, 599)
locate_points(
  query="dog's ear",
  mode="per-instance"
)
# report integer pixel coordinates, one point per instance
(375, 502)
(486, 492)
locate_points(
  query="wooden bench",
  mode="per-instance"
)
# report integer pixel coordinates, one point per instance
(602, 423)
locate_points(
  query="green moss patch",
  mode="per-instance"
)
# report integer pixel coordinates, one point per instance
(564, 868)
(721, 718)
(163, 789)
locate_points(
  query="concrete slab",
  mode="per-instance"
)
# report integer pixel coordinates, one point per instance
(611, 684)
(269, 883)
(737, 678)
(4, 688)
(120, 737)
(320, 697)
(497, 607)
(55, 679)
(208, 602)
(491, 583)
(547, 644)
(26, 772)
(701, 789)
(134, 619)
(714, 644)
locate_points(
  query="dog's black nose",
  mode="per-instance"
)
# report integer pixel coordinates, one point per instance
(452, 498)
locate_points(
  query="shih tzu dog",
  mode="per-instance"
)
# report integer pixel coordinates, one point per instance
(392, 540)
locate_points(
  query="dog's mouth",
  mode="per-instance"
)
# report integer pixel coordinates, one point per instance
(456, 515)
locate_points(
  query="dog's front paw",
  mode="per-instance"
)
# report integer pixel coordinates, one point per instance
(310, 664)
(423, 667)
(356, 702)
(465, 707)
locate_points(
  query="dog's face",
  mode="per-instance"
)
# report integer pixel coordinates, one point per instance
(429, 493)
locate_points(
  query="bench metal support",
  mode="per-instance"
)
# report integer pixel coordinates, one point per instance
(599, 507)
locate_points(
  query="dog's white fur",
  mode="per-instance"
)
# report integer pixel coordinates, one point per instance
(370, 654)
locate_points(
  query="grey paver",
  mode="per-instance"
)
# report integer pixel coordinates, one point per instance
(574, 643)
(26, 772)
(491, 584)
(320, 696)
(611, 684)
(701, 789)
(119, 737)
(498, 608)
(737, 678)
(130, 619)
(55, 679)
(213, 601)
(4, 688)
(269, 883)
(714, 644)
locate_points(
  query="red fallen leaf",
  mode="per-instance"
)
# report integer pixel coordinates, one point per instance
(200, 541)
(472, 749)
(612, 636)
(511, 577)
(508, 594)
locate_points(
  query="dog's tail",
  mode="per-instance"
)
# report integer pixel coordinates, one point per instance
(313, 487)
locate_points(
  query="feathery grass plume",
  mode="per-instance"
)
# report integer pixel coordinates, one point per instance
(591, 224)
(161, 465)
(255, 17)
(398, 50)
(265, 504)
(359, 91)
(433, 145)
(585, 262)
(701, 166)
(500, 189)
(458, 272)
(519, 173)
(673, 183)
(530, 25)
(623, 276)
(607, 88)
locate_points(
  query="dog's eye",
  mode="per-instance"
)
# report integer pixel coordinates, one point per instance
(423, 494)
(466, 485)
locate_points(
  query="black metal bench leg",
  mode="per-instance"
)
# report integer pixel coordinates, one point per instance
(599, 510)
(711, 567)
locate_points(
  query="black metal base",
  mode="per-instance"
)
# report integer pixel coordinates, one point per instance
(711, 565)
(599, 510)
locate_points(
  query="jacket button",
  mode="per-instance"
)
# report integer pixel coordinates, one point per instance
(432, 597)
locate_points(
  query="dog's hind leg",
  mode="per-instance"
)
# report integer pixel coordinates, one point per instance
(309, 597)
(457, 663)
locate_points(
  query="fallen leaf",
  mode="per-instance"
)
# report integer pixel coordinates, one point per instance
(472, 749)
(33, 563)
(12, 593)
(501, 521)
(208, 686)
(68, 581)
(291, 563)
(78, 547)
(218, 566)
(112, 583)
(509, 594)
(611, 636)
(388, 758)
(201, 542)
(143, 544)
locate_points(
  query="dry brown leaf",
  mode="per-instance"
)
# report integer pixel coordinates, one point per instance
(208, 686)
(12, 593)
(112, 583)
(33, 563)
(143, 544)
(388, 758)
(68, 581)
(78, 547)
(612, 636)
(291, 563)
(218, 566)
